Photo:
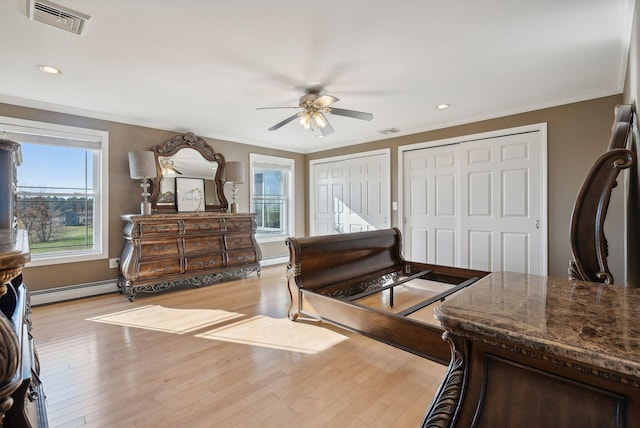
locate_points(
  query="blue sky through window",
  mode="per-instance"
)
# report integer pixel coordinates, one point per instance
(54, 167)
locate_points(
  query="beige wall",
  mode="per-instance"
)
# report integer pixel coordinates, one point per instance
(124, 193)
(577, 134)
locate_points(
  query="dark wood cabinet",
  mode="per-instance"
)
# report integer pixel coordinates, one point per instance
(22, 398)
(165, 250)
(533, 351)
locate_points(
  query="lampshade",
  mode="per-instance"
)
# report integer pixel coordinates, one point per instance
(142, 164)
(234, 172)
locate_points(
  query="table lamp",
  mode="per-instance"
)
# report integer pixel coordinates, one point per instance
(142, 165)
(234, 173)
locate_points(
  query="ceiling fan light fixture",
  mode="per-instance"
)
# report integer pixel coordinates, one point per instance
(305, 119)
(312, 109)
(320, 119)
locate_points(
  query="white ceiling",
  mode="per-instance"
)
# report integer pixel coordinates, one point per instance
(205, 65)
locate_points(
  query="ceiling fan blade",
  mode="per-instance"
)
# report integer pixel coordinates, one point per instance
(324, 101)
(351, 113)
(327, 129)
(271, 108)
(284, 122)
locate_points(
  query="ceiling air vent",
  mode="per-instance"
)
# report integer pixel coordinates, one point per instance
(57, 16)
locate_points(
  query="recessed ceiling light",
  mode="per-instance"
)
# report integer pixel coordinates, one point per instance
(49, 69)
(443, 106)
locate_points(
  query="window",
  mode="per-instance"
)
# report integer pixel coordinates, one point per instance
(61, 192)
(272, 196)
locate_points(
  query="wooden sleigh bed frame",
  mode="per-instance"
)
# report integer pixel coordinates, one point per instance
(329, 277)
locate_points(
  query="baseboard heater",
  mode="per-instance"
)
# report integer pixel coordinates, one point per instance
(60, 294)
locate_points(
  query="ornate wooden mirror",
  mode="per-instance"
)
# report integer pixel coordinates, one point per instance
(188, 160)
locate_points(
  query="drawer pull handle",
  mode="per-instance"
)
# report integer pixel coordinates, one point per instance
(32, 395)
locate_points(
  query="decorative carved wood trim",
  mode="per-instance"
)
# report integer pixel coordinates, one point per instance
(588, 242)
(442, 410)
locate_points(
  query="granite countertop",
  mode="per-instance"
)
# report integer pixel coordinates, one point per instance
(587, 322)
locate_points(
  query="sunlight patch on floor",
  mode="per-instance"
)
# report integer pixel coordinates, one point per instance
(277, 333)
(170, 320)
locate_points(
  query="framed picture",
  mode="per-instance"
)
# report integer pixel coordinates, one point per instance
(190, 194)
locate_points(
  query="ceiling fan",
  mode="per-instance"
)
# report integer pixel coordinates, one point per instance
(313, 108)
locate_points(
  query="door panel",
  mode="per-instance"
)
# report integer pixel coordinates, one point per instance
(479, 194)
(416, 242)
(515, 252)
(446, 247)
(480, 249)
(515, 193)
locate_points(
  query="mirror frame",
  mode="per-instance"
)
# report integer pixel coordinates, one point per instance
(174, 145)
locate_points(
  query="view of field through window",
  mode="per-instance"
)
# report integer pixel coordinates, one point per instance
(55, 197)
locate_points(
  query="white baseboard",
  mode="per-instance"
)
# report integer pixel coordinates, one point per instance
(274, 261)
(60, 294)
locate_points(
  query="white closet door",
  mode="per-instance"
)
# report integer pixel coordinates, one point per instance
(500, 207)
(476, 204)
(351, 195)
(431, 195)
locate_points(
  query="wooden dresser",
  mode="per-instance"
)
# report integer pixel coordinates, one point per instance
(22, 399)
(535, 351)
(166, 250)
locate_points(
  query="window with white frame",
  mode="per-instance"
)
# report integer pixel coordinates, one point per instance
(61, 190)
(272, 196)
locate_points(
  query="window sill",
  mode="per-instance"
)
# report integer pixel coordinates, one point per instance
(65, 258)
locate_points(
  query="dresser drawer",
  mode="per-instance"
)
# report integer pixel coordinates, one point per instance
(238, 241)
(149, 249)
(210, 261)
(159, 228)
(241, 257)
(193, 226)
(157, 268)
(239, 224)
(202, 244)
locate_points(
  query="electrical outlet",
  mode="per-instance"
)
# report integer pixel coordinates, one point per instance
(114, 263)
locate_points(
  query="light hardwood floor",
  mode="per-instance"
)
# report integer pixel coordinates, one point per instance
(223, 355)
